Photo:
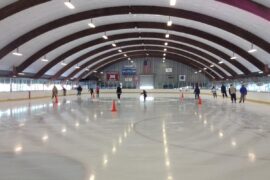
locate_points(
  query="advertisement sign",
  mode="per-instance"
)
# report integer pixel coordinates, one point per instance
(129, 71)
(112, 76)
(168, 70)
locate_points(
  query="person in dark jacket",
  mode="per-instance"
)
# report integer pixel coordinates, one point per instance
(223, 91)
(197, 91)
(79, 90)
(243, 91)
(119, 92)
(91, 92)
(144, 93)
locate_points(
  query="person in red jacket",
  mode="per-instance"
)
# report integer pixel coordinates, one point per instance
(97, 91)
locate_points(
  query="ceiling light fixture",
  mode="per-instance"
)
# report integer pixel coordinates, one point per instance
(44, 59)
(205, 68)
(77, 67)
(17, 53)
(167, 35)
(120, 50)
(113, 44)
(63, 63)
(169, 22)
(164, 54)
(125, 55)
(69, 4)
(252, 49)
(212, 65)
(233, 56)
(105, 36)
(91, 24)
(166, 44)
(165, 49)
(21, 73)
(172, 2)
(220, 62)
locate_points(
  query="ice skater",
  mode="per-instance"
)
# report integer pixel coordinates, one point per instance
(79, 90)
(54, 92)
(197, 92)
(64, 91)
(144, 93)
(243, 91)
(223, 91)
(232, 92)
(214, 91)
(91, 92)
(97, 91)
(119, 92)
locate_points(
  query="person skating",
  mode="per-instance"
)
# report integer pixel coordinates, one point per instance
(119, 92)
(197, 92)
(54, 92)
(223, 91)
(144, 93)
(79, 90)
(232, 92)
(214, 91)
(243, 91)
(97, 91)
(64, 91)
(91, 92)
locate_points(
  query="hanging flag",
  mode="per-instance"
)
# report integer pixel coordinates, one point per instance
(146, 67)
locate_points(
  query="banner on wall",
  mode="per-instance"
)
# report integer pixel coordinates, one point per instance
(129, 71)
(168, 70)
(112, 76)
(182, 77)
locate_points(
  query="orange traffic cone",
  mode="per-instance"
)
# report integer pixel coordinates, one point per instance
(114, 106)
(56, 99)
(200, 101)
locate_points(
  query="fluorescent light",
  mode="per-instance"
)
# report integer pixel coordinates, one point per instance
(91, 25)
(129, 59)
(125, 55)
(101, 72)
(220, 62)
(233, 57)
(172, 2)
(105, 37)
(169, 22)
(260, 72)
(166, 44)
(21, 73)
(196, 72)
(212, 65)
(205, 68)
(167, 35)
(120, 50)
(113, 44)
(87, 69)
(69, 5)
(252, 50)
(63, 63)
(200, 71)
(165, 49)
(164, 54)
(44, 59)
(95, 71)
(17, 54)
(77, 67)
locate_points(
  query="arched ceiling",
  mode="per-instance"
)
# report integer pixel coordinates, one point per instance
(204, 33)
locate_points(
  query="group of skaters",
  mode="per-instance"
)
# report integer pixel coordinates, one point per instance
(232, 92)
(92, 93)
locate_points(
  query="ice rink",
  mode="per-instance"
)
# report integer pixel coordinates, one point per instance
(161, 139)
